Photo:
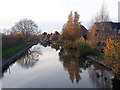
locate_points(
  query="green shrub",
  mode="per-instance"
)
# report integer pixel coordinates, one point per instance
(84, 49)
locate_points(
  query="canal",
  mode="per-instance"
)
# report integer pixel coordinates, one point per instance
(45, 67)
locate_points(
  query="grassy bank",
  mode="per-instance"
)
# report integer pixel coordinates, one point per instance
(8, 53)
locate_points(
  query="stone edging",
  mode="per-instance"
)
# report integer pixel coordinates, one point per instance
(97, 59)
(14, 58)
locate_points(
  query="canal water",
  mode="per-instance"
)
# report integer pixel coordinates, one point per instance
(45, 67)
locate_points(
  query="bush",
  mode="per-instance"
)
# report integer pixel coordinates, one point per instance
(68, 44)
(77, 42)
(84, 49)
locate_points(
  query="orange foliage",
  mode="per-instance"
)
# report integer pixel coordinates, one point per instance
(71, 31)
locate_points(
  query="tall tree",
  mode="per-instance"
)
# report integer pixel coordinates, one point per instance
(112, 54)
(71, 30)
(76, 25)
(102, 15)
(26, 27)
(72, 27)
(69, 23)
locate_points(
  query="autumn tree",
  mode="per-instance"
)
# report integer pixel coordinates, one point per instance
(112, 49)
(112, 53)
(71, 30)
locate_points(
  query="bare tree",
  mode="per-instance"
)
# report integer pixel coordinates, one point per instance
(100, 27)
(26, 27)
(6, 31)
(102, 15)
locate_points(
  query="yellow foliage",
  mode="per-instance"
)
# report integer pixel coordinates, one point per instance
(17, 34)
(112, 49)
(116, 67)
(41, 37)
(77, 42)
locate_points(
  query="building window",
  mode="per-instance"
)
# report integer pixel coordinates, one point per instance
(119, 31)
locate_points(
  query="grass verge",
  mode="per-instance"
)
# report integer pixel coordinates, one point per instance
(10, 52)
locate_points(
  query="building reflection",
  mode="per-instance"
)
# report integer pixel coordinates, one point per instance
(30, 58)
(100, 76)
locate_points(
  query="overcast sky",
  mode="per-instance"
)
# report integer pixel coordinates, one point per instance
(50, 15)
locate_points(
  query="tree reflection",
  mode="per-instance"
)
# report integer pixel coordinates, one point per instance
(72, 64)
(55, 46)
(44, 44)
(100, 76)
(30, 58)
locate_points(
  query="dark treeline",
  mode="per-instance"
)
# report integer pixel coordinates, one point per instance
(9, 41)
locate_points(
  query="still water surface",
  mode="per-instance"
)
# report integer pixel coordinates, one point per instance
(45, 67)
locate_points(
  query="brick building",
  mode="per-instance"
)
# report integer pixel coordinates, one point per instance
(102, 30)
(84, 31)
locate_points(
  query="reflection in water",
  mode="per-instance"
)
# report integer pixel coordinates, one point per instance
(102, 78)
(30, 58)
(73, 69)
(81, 72)
(56, 47)
(45, 45)
(116, 84)
(72, 65)
(98, 74)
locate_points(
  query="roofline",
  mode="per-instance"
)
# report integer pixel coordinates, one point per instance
(108, 22)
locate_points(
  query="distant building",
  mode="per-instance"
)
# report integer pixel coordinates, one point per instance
(84, 31)
(102, 30)
(55, 36)
(119, 11)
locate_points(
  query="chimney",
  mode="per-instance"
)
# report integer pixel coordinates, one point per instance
(119, 11)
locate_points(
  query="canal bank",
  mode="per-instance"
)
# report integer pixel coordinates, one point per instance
(99, 61)
(5, 63)
(43, 67)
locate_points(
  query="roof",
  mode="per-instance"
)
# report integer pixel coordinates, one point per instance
(113, 24)
(83, 30)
